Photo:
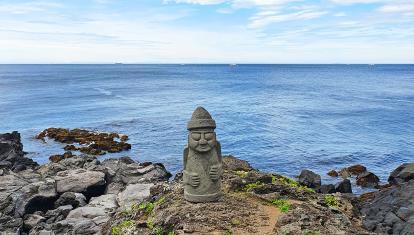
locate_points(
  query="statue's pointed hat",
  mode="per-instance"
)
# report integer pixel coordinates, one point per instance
(201, 119)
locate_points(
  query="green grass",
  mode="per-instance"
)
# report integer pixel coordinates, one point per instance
(121, 227)
(307, 232)
(228, 232)
(148, 207)
(241, 174)
(331, 201)
(283, 205)
(235, 221)
(251, 186)
(292, 183)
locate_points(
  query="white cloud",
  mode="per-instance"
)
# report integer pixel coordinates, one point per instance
(406, 6)
(260, 3)
(350, 2)
(27, 7)
(201, 2)
(153, 36)
(340, 14)
(237, 3)
(261, 20)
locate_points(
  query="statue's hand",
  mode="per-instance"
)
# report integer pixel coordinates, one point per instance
(195, 180)
(214, 173)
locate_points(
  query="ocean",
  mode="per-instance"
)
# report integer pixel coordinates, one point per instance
(281, 118)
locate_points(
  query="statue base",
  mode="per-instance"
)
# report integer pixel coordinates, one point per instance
(202, 198)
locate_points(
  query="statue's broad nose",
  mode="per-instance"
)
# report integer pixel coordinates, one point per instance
(203, 141)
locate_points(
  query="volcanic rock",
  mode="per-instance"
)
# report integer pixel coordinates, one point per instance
(71, 198)
(356, 169)
(391, 210)
(134, 194)
(344, 186)
(309, 179)
(232, 163)
(11, 153)
(333, 173)
(327, 188)
(401, 174)
(367, 179)
(81, 181)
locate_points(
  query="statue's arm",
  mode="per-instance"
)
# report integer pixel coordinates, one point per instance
(220, 159)
(185, 156)
(186, 176)
(217, 170)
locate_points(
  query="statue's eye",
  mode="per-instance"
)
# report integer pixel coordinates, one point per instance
(209, 136)
(196, 136)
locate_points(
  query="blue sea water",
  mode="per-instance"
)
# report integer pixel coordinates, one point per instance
(281, 118)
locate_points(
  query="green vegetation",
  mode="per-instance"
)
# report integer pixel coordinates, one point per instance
(158, 230)
(241, 173)
(122, 227)
(150, 223)
(307, 232)
(331, 201)
(148, 207)
(228, 232)
(283, 205)
(235, 221)
(289, 182)
(292, 183)
(251, 186)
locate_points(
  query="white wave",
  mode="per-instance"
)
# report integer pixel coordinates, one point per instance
(103, 91)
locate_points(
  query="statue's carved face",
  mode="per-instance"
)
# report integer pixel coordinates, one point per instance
(202, 140)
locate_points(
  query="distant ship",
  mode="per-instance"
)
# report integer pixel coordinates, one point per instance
(118, 63)
(233, 64)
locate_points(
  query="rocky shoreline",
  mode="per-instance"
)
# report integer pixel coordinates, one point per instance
(83, 195)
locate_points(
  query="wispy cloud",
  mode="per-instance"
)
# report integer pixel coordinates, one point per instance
(350, 2)
(201, 2)
(27, 7)
(263, 19)
(406, 6)
(207, 31)
(237, 3)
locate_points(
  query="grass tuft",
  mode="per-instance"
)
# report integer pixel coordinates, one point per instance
(251, 186)
(241, 174)
(283, 205)
(122, 227)
(331, 201)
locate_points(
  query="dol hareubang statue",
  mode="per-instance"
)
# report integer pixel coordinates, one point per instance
(202, 159)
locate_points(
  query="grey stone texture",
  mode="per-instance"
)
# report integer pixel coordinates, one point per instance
(309, 179)
(202, 159)
(403, 173)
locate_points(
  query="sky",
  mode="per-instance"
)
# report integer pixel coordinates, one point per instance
(207, 31)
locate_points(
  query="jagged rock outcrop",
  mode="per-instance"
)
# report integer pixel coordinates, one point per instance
(12, 155)
(391, 210)
(403, 173)
(75, 195)
(309, 179)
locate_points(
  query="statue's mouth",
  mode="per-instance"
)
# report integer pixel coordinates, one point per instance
(203, 147)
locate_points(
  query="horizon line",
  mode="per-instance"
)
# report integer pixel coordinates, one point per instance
(222, 63)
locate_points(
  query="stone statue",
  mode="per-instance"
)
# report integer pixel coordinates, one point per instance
(202, 159)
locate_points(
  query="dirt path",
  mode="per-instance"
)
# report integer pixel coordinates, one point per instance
(265, 219)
